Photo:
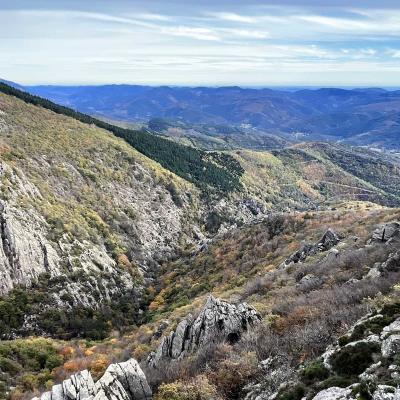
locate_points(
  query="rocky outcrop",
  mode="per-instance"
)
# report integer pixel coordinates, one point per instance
(387, 232)
(328, 240)
(122, 381)
(218, 321)
(25, 252)
(334, 393)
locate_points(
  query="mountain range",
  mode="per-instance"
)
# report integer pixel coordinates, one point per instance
(365, 117)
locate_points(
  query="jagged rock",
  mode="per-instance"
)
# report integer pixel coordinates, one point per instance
(394, 327)
(334, 393)
(384, 392)
(392, 263)
(25, 252)
(309, 279)
(128, 376)
(122, 381)
(391, 346)
(386, 232)
(374, 272)
(277, 371)
(328, 240)
(219, 320)
(368, 374)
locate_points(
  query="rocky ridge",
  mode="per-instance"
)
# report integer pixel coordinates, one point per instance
(218, 321)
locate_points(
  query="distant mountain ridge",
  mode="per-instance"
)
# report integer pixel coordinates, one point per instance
(368, 117)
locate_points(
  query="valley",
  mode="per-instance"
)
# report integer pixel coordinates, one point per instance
(175, 266)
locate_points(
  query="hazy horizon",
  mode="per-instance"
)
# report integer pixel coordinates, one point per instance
(306, 43)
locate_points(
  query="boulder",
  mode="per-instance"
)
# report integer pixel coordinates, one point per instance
(392, 263)
(384, 392)
(328, 240)
(387, 232)
(391, 346)
(334, 393)
(218, 321)
(394, 327)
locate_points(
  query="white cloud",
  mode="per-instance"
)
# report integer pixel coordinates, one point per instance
(153, 17)
(182, 45)
(245, 33)
(190, 32)
(395, 53)
(232, 17)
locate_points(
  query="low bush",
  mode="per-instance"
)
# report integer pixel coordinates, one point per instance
(353, 360)
(314, 372)
(295, 392)
(198, 388)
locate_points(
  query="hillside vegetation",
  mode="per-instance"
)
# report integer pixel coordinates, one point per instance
(187, 162)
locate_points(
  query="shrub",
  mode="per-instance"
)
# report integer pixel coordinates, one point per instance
(353, 360)
(374, 325)
(198, 388)
(231, 375)
(295, 392)
(314, 372)
(337, 381)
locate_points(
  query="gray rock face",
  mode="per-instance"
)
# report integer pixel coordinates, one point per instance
(334, 393)
(384, 392)
(218, 321)
(391, 346)
(328, 240)
(123, 381)
(25, 252)
(387, 232)
(392, 264)
(127, 375)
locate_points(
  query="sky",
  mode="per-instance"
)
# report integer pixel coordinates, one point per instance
(219, 42)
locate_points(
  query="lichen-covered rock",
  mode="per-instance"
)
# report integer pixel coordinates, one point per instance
(384, 392)
(328, 240)
(391, 346)
(122, 381)
(392, 263)
(334, 393)
(127, 374)
(394, 327)
(219, 320)
(79, 386)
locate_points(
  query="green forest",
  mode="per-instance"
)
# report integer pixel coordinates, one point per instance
(211, 173)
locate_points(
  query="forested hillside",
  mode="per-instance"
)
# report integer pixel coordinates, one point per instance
(187, 162)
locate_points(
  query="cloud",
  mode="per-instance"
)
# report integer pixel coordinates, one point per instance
(395, 53)
(153, 17)
(233, 17)
(194, 33)
(183, 41)
(251, 34)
